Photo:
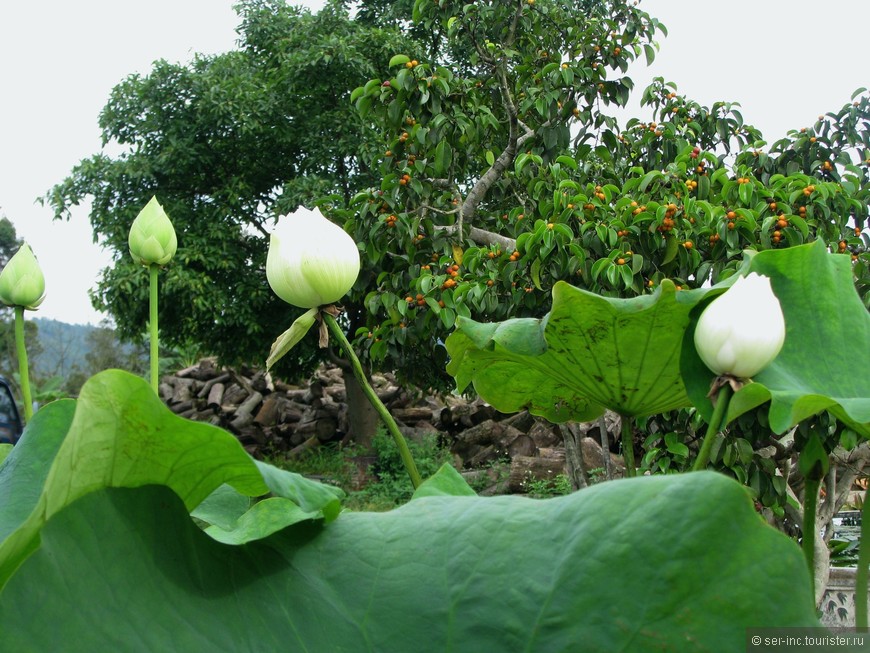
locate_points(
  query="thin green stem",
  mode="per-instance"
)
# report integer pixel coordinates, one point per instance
(627, 429)
(369, 392)
(717, 423)
(22, 363)
(861, 574)
(152, 326)
(808, 529)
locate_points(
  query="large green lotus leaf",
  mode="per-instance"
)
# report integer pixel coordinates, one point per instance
(23, 472)
(677, 563)
(589, 353)
(121, 435)
(825, 360)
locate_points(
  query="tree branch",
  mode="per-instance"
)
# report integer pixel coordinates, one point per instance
(480, 236)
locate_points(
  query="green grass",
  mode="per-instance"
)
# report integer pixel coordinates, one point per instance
(390, 486)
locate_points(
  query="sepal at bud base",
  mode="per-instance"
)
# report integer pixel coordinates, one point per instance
(152, 238)
(22, 282)
(287, 340)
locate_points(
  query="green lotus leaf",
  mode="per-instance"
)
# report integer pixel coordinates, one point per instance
(446, 482)
(825, 361)
(121, 435)
(589, 353)
(126, 569)
(23, 472)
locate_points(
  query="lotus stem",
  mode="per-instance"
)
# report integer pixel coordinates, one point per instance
(369, 392)
(717, 423)
(22, 363)
(627, 434)
(861, 574)
(152, 326)
(808, 529)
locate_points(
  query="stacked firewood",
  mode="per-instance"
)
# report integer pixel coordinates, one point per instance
(269, 416)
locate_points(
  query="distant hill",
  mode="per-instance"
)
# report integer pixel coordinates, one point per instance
(63, 347)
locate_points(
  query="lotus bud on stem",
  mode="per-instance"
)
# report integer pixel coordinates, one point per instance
(737, 336)
(22, 286)
(312, 263)
(153, 243)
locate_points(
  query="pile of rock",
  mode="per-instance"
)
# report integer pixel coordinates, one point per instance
(497, 451)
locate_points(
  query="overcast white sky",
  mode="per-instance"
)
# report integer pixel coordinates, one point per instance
(784, 61)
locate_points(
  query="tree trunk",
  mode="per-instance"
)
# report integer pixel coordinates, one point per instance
(362, 418)
(574, 455)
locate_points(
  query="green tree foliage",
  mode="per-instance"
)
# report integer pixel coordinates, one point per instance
(227, 143)
(475, 162)
(503, 173)
(9, 241)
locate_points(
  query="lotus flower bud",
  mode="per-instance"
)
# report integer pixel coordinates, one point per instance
(311, 261)
(152, 239)
(22, 282)
(742, 330)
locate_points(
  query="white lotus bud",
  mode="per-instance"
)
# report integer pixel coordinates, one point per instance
(311, 261)
(152, 238)
(742, 330)
(22, 282)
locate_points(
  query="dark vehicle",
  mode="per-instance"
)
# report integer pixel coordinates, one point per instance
(10, 420)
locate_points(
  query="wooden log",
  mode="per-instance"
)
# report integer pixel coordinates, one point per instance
(530, 468)
(268, 413)
(545, 435)
(243, 416)
(297, 394)
(243, 382)
(165, 391)
(187, 371)
(215, 396)
(248, 405)
(290, 412)
(234, 394)
(311, 443)
(208, 385)
(522, 445)
(182, 406)
(413, 414)
(183, 391)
